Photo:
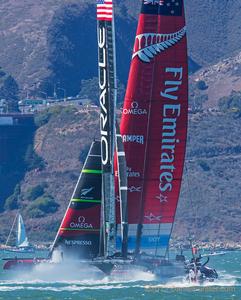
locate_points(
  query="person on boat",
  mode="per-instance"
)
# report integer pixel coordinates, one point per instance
(180, 257)
(197, 260)
(198, 271)
(35, 261)
(191, 275)
(194, 275)
(193, 267)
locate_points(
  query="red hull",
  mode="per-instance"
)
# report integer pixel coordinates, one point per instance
(20, 264)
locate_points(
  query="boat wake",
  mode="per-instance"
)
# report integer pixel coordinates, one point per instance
(72, 278)
(225, 280)
(71, 273)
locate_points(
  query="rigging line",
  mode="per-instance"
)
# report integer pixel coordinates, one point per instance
(158, 234)
(96, 135)
(11, 229)
(139, 233)
(190, 200)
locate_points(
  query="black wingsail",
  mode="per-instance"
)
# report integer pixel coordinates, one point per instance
(107, 87)
(78, 235)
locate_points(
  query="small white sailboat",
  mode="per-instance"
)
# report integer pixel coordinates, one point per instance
(22, 239)
(22, 243)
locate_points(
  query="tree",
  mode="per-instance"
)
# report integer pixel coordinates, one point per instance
(2, 73)
(9, 91)
(11, 202)
(197, 95)
(42, 206)
(35, 192)
(231, 104)
(201, 85)
(32, 160)
(90, 90)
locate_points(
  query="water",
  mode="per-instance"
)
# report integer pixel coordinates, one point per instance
(66, 282)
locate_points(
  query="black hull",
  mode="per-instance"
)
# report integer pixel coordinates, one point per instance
(162, 269)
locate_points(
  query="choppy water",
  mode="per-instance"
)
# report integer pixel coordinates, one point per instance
(72, 282)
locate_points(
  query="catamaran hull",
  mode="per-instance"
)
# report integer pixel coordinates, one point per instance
(112, 268)
(161, 270)
(20, 250)
(21, 264)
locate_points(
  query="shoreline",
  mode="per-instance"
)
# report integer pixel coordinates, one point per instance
(213, 246)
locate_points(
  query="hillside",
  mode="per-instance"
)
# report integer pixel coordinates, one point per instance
(23, 27)
(210, 203)
(62, 143)
(53, 43)
(209, 206)
(221, 79)
(31, 32)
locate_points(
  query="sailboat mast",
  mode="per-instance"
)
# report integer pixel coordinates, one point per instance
(122, 184)
(11, 229)
(107, 87)
(18, 231)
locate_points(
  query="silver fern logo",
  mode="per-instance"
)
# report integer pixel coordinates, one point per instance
(148, 45)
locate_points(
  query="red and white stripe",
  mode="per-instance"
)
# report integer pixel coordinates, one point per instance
(105, 11)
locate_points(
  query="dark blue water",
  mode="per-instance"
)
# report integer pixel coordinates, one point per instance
(71, 282)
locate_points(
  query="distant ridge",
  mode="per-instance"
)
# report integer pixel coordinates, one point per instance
(25, 49)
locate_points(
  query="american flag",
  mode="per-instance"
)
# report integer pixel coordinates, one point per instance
(104, 10)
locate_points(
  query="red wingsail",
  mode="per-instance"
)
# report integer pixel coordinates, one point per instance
(154, 123)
